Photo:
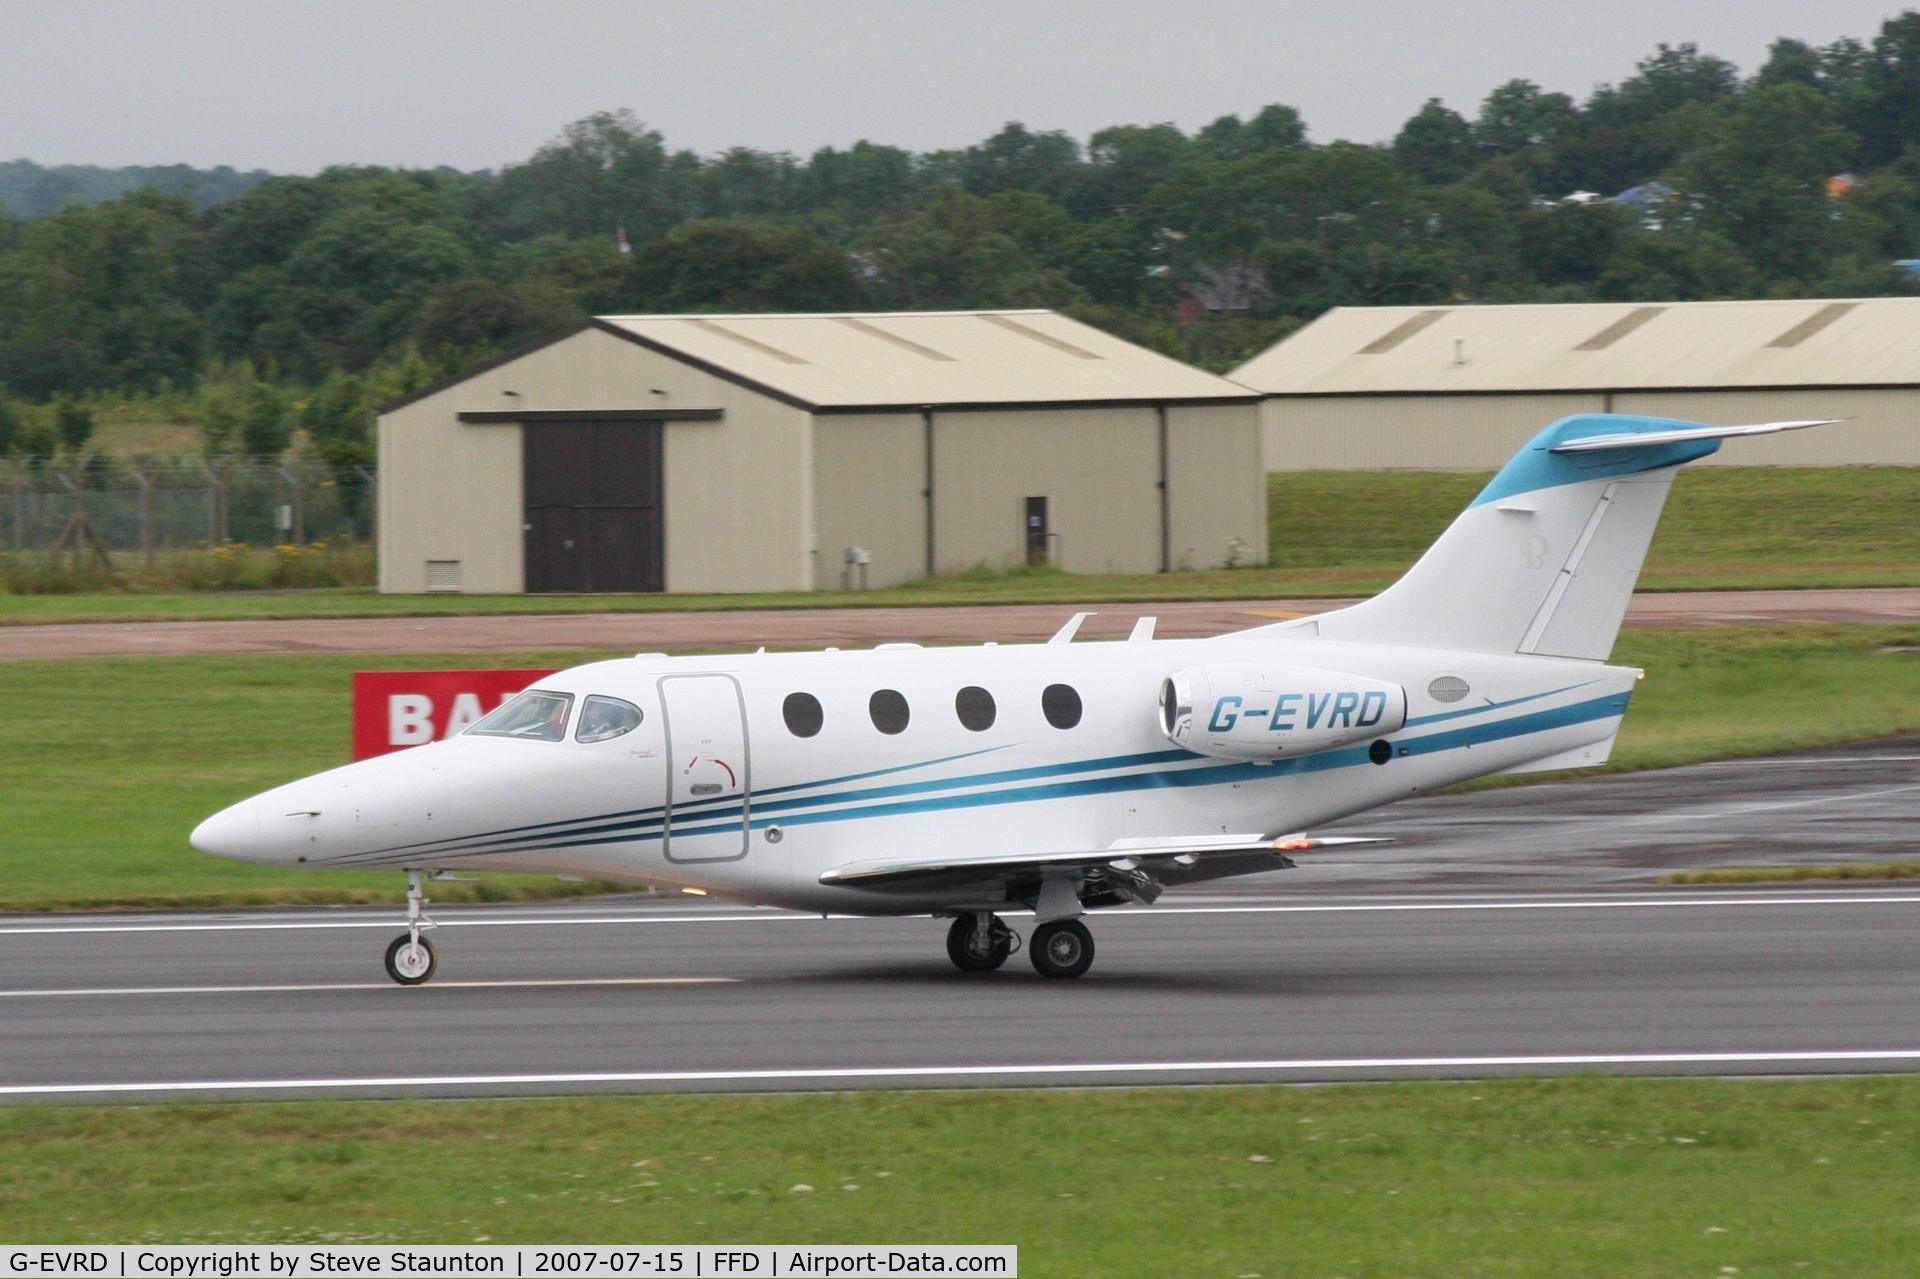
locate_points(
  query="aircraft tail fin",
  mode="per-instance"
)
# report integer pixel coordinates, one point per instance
(1545, 559)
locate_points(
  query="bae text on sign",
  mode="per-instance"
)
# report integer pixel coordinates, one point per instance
(393, 710)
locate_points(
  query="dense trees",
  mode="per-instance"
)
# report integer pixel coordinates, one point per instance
(292, 308)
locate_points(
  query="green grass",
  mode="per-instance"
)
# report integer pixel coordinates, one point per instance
(110, 762)
(1582, 1176)
(1737, 691)
(1795, 874)
(1332, 533)
(984, 587)
(1724, 528)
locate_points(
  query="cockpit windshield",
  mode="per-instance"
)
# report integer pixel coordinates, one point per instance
(536, 716)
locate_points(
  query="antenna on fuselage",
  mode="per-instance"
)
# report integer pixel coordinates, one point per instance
(1066, 633)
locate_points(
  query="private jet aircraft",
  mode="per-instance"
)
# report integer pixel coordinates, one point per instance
(1055, 778)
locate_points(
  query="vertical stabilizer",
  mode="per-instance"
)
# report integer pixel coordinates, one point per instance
(1545, 559)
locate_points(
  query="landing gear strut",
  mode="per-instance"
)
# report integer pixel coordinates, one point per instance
(1063, 948)
(979, 943)
(410, 959)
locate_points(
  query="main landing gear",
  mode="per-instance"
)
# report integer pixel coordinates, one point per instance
(1063, 948)
(979, 942)
(410, 959)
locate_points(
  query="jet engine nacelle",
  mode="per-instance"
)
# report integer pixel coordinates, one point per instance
(1240, 710)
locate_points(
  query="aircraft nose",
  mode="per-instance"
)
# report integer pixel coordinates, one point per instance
(233, 833)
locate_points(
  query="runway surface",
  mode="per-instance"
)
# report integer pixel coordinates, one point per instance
(818, 627)
(1510, 931)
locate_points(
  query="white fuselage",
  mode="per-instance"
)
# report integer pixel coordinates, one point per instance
(714, 791)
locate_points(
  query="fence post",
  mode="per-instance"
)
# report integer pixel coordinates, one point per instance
(147, 480)
(216, 472)
(17, 481)
(80, 533)
(372, 501)
(294, 476)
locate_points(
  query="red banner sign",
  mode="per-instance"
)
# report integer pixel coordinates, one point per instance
(393, 710)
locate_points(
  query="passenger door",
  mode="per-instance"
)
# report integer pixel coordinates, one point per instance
(709, 768)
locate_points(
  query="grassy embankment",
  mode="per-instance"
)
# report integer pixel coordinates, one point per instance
(1521, 1178)
(110, 762)
(1332, 533)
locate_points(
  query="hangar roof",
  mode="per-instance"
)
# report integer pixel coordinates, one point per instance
(1608, 346)
(909, 358)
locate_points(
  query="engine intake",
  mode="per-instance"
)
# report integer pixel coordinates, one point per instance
(1240, 710)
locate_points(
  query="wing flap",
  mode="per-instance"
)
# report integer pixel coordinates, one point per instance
(1124, 854)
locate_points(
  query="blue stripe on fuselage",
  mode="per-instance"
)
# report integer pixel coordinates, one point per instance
(1213, 775)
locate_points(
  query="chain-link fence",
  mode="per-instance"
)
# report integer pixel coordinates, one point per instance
(105, 505)
(82, 523)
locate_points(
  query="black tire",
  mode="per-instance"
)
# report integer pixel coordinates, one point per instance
(1063, 948)
(410, 974)
(960, 945)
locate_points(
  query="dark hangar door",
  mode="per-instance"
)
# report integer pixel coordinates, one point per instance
(593, 518)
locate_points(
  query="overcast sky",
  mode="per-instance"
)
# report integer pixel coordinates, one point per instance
(295, 85)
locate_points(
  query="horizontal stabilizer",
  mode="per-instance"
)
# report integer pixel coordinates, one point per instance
(1124, 854)
(1647, 439)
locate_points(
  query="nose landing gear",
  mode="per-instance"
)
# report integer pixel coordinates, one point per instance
(979, 943)
(410, 959)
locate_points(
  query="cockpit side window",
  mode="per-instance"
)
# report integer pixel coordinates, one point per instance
(604, 718)
(534, 716)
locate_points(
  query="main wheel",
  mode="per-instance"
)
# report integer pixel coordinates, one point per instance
(1063, 948)
(968, 955)
(408, 962)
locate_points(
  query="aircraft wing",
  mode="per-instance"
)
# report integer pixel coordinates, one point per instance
(1121, 855)
(1628, 440)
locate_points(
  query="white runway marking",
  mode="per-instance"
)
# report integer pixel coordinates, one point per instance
(367, 985)
(1805, 763)
(1738, 810)
(904, 1073)
(1307, 908)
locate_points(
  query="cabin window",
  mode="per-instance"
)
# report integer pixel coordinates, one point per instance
(605, 718)
(803, 714)
(535, 716)
(889, 711)
(1061, 705)
(974, 706)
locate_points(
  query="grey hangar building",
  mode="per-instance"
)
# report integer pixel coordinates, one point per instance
(736, 453)
(1464, 387)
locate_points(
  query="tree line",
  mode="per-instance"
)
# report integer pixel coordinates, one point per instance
(290, 310)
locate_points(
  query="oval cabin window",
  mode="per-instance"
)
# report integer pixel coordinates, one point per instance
(605, 718)
(1061, 705)
(803, 714)
(974, 705)
(889, 711)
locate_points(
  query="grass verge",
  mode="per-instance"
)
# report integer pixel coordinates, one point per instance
(1795, 874)
(1726, 528)
(112, 761)
(1582, 1176)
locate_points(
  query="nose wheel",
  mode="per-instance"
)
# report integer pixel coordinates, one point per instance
(410, 958)
(979, 943)
(410, 961)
